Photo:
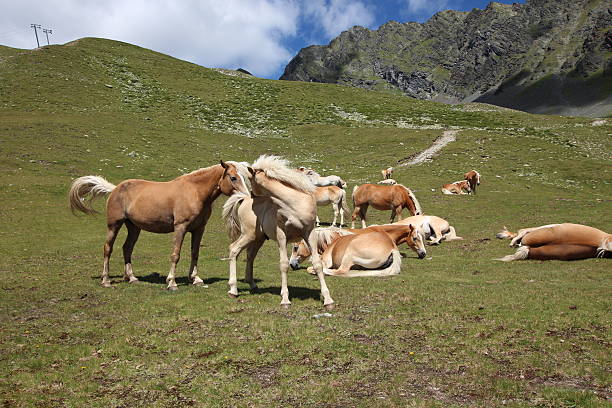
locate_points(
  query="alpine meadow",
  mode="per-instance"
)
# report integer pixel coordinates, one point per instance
(455, 329)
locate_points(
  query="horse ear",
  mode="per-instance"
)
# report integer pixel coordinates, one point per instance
(251, 170)
(223, 164)
(411, 227)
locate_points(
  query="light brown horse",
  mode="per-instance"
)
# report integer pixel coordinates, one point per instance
(283, 209)
(387, 173)
(399, 234)
(434, 228)
(394, 198)
(472, 177)
(373, 249)
(563, 242)
(457, 187)
(181, 205)
(335, 196)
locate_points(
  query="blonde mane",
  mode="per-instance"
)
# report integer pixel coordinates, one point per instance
(417, 205)
(278, 168)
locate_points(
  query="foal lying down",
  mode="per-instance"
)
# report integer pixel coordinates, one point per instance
(565, 242)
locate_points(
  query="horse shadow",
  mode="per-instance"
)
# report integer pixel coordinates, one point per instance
(328, 224)
(295, 292)
(156, 278)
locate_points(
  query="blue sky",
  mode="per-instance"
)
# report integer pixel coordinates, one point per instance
(258, 35)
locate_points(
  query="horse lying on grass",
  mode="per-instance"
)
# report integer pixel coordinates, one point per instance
(181, 205)
(433, 228)
(335, 196)
(458, 187)
(322, 181)
(565, 242)
(372, 255)
(394, 198)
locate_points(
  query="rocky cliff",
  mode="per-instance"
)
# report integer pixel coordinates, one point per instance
(544, 56)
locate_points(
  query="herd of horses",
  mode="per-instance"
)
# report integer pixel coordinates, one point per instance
(271, 200)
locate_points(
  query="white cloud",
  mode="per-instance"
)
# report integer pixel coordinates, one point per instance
(420, 7)
(212, 33)
(335, 16)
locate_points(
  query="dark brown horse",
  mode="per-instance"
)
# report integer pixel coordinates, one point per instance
(394, 198)
(181, 205)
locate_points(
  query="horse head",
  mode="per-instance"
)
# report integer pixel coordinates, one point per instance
(415, 241)
(233, 178)
(299, 252)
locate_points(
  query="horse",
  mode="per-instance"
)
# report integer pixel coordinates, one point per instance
(325, 236)
(472, 177)
(457, 187)
(323, 181)
(394, 198)
(181, 205)
(283, 208)
(387, 173)
(388, 182)
(565, 242)
(335, 196)
(431, 226)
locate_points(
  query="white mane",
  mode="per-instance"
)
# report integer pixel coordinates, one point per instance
(278, 168)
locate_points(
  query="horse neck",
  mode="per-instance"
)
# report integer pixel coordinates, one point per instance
(286, 194)
(408, 202)
(207, 181)
(397, 232)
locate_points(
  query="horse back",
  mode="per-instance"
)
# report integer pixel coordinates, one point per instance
(575, 234)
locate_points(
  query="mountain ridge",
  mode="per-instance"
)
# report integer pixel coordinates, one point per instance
(544, 56)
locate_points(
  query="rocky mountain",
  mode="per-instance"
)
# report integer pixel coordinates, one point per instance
(544, 56)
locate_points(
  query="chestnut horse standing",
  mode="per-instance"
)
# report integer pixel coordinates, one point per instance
(394, 198)
(181, 205)
(387, 173)
(472, 177)
(563, 242)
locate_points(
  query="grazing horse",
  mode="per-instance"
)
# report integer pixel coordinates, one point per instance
(431, 226)
(565, 242)
(472, 177)
(388, 182)
(335, 196)
(283, 209)
(181, 205)
(387, 173)
(457, 187)
(394, 198)
(325, 236)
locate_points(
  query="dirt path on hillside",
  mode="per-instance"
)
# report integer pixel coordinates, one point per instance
(447, 137)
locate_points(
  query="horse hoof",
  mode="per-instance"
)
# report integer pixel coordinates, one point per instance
(232, 296)
(330, 306)
(199, 283)
(135, 280)
(172, 288)
(285, 305)
(106, 285)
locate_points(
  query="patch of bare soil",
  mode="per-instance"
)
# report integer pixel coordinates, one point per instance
(427, 154)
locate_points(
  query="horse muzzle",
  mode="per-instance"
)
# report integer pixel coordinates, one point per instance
(421, 253)
(294, 264)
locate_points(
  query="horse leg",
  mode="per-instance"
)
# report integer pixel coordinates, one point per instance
(113, 229)
(318, 221)
(235, 249)
(354, 216)
(252, 250)
(281, 238)
(128, 247)
(335, 207)
(196, 239)
(396, 212)
(179, 236)
(438, 233)
(317, 265)
(341, 209)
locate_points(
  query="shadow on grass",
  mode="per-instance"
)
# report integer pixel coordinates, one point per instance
(156, 278)
(295, 292)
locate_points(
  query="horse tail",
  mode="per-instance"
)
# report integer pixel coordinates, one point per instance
(452, 234)
(85, 190)
(505, 234)
(353, 195)
(325, 236)
(396, 264)
(417, 205)
(521, 253)
(343, 202)
(230, 214)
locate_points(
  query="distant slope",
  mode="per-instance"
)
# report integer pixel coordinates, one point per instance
(545, 56)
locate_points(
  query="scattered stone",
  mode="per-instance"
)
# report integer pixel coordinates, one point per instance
(318, 316)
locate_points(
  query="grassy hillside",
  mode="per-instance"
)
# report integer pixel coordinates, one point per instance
(455, 329)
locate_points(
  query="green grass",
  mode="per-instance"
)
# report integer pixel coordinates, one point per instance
(456, 329)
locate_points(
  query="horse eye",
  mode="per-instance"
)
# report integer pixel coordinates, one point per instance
(233, 178)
